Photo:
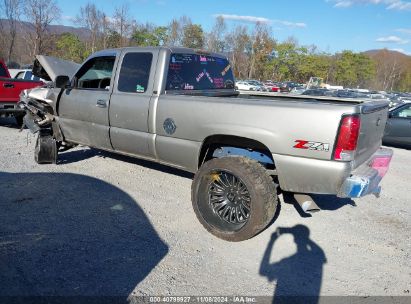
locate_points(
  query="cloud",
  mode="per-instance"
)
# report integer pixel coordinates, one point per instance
(68, 18)
(398, 5)
(392, 39)
(254, 19)
(401, 51)
(403, 30)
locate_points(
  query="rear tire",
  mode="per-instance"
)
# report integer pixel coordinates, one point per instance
(234, 198)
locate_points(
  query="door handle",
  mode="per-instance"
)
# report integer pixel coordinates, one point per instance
(8, 85)
(101, 103)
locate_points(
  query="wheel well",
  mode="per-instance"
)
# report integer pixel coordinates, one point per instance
(253, 148)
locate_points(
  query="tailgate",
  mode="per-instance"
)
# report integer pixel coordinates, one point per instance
(373, 119)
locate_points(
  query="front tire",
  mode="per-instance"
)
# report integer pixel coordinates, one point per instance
(234, 198)
(46, 149)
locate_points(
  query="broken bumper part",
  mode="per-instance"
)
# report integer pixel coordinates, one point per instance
(365, 179)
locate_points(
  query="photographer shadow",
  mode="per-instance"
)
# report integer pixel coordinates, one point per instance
(298, 277)
(73, 236)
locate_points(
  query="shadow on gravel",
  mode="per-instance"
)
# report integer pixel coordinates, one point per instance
(73, 156)
(298, 277)
(72, 235)
(325, 202)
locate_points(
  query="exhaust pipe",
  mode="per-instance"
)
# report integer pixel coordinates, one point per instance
(306, 203)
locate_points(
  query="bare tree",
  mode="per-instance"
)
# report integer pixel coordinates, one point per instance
(105, 26)
(91, 18)
(40, 13)
(123, 23)
(216, 38)
(239, 45)
(175, 33)
(12, 12)
(262, 46)
(2, 32)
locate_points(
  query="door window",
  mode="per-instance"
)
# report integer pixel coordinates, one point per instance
(404, 112)
(135, 72)
(96, 73)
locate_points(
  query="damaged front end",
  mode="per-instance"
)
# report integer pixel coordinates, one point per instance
(41, 118)
(41, 106)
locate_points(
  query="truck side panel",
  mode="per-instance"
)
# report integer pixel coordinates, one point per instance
(274, 124)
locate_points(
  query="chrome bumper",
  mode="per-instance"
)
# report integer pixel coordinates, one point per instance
(365, 179)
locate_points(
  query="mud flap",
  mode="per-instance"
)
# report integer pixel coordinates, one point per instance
(46, 149)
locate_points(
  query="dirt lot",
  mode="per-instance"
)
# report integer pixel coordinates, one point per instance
(103, 224)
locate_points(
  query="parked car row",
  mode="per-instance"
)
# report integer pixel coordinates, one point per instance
(398, 127)
(267, 86)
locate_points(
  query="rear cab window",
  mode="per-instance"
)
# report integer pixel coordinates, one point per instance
(135, 72)
(191, 72)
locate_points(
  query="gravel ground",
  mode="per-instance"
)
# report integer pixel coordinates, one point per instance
(102, 224)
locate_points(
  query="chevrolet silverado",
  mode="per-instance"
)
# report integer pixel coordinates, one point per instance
(179, 107)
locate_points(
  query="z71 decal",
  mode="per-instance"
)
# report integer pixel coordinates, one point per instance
(312, 145)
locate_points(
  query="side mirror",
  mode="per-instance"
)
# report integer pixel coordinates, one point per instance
(389, 114)
(62, 81)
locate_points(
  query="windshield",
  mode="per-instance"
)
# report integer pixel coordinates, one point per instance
(199, 72)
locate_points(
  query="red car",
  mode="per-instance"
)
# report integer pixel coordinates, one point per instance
(272, 87)
(10, 90)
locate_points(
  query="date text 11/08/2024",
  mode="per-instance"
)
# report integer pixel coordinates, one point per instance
(202, 299)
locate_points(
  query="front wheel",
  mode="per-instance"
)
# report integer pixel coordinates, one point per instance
(234, 198)
(46, 149)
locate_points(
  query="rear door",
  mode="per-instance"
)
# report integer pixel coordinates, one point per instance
(129, 105)
(398, 129)
(83, 109)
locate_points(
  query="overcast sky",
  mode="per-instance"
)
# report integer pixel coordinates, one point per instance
(332, 25)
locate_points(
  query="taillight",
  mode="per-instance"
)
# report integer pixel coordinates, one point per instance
(347, 138)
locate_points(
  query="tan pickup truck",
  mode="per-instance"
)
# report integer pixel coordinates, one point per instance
(179, 107)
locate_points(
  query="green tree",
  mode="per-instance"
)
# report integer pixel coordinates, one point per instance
(113, 39)
(193, 36)
(69, 47)
(149, 36)
(345, 72)
(353, 69)
(286, 60)
(314, 65)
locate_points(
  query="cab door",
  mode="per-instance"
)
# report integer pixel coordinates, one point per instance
(130, 102)
(84, 108)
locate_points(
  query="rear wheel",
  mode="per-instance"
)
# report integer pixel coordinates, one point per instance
(234, 198)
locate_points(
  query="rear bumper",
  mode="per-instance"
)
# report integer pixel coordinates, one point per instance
(365, 179)
(314, 176)
(7, 109)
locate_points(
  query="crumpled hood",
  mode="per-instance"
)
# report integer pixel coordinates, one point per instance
(48, 67)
